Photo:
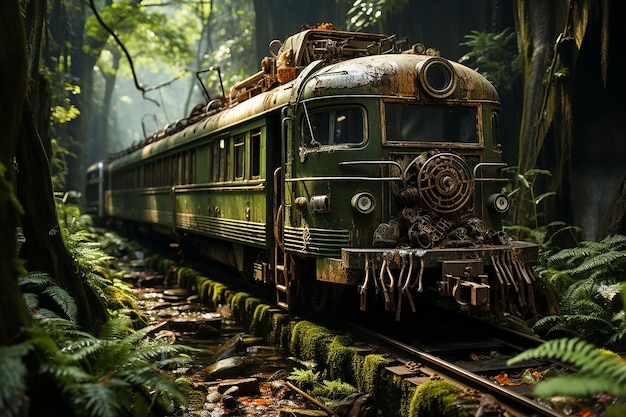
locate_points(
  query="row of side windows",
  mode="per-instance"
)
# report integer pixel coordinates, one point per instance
(181, 168)
(223, 157)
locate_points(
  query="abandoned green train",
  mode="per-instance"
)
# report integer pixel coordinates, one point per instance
(344, 162)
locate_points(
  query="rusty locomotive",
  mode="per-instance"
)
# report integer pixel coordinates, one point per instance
(345, 162)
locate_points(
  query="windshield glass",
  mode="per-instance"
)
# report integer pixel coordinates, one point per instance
(334, 126)
(428, 123)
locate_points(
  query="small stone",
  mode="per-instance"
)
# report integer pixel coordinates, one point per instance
(229, 402)
(213, 397)
(226, 368)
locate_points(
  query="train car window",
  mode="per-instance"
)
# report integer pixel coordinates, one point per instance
(429, 123)
(192, 166)
(335, 126)
(239, 156)
(215, 163)
(255, 154)
(174, 170)
(160, 169)
(225, 173)
(136, 181)
(148, 174)
(183, 168)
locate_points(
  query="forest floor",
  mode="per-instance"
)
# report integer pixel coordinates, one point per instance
(231, 372)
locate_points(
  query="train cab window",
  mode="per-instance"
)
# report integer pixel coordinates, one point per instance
(495, 134)
(255, 154)
(430, 123)
(239, 147)
(334, 126)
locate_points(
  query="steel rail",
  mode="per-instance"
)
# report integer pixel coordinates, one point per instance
(507, 397)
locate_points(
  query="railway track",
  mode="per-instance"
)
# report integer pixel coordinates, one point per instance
(455, 347)
(422, 365)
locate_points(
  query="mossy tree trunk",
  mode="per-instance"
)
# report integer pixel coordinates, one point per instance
(563, 91)
(536, 31)
(13, 81)
(27, 167)
(44, 249)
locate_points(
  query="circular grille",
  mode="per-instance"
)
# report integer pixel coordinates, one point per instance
(445, 183)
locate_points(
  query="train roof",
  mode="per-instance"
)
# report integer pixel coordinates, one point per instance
(394, 76)
(318, 63)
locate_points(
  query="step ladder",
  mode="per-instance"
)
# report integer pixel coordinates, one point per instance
(282, 281)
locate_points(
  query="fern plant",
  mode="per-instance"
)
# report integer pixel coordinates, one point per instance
(109, 375)
(588, 277)
(599, 371)
(105, 375)
(121, 370)
(13, 372)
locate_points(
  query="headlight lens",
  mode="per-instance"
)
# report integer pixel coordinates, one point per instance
(499, 202)
(363, 203)
(437, 77)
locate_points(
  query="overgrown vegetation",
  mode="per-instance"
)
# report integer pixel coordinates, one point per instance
(495, 56)
(119, 369)
(589, 279)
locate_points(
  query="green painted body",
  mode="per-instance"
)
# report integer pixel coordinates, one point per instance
(257, 169)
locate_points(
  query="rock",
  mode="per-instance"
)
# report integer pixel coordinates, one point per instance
(233, 346)
(236, 387)
(357, 405)
(226, 368)
(175, 294)
(229, 402)
(213, 397)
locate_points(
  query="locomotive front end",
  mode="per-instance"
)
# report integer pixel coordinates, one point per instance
(393, 184)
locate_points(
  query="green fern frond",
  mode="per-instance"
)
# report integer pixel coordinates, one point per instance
(616, 241)
(561, 330)
(63, 300)
(605, 261)
(591, 308)
(31, 300)
(34, 280)
(118, 327)
(40, 283)
(589, 325)
(591, 362)
(547, 321)
(577, 386)
(569, 254)
(152, 353)
(84, 350)
(100, 399)
(67, 375)
(12, 371)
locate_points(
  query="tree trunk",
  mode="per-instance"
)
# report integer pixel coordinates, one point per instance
(44, 249)
(14, 316)
(536, 37)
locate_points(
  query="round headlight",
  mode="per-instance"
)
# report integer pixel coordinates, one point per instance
(499, 202)
(363, 203)
(437, 77)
